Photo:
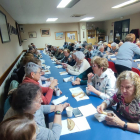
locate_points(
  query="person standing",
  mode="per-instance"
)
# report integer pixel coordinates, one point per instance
(124, 60)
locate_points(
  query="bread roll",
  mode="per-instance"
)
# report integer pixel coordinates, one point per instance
(70, 124)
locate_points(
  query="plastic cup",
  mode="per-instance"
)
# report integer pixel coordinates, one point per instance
(57, 92)
(87, 91)
(69, 111)
(51, 78)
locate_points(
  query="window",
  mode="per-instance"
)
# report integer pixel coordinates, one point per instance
(121, 29)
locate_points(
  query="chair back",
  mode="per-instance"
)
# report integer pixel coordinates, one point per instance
(112, 66)
(136, 70)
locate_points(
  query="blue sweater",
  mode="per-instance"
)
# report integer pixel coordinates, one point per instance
(126, 53)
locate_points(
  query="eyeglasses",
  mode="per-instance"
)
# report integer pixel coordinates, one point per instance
(94, 65)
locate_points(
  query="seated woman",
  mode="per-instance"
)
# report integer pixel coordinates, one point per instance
(103, 82)
(42, 78)
(80, 66)
(33, 73)
(25, 125)
(89, 53)
(21, 70)
(128, 100)
(99, 52)
(71, 47)
(106, 48)
(27, 99)
(84, 48)
(114, 49)
(65, 45)
(82, 78)
(71, 60)
(61, 53)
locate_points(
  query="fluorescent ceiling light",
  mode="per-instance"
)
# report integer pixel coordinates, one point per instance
(51, 19)
(125, 3)
(87, 18)
(63, 3)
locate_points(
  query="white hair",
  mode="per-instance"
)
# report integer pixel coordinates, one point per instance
(79, 55)
(78, 45)
(31, 67)
(113, 44)
(100, 47)
(61, 48)
(99, 43)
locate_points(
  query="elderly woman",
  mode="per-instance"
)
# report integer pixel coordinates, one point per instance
(103, 82)
(99, 52)
(61, 53)
(21, 70)
(128, 100)
(106, 48)
(126, 53)
(80, 66)
(24, 124)
(114, 49)
(82, 78)
(33, 73)
(27, 99)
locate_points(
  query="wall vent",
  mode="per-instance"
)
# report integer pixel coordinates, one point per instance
(77, 15)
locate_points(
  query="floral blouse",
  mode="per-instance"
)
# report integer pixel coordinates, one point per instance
(130, 111)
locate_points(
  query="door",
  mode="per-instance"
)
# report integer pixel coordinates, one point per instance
(121, 29)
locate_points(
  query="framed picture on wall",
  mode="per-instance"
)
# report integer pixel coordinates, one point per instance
(32, 34)
(18, 33)
(5, 37)
(59, 35)
(45, 32)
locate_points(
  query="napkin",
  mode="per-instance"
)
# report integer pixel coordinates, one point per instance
(59, 66)
(136, 60)
(59, 100)
(63, 73)
(71, 78)
(101, 117)
(113, 59)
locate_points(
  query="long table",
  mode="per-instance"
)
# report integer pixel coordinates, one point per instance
(134, 64)
(98, 131)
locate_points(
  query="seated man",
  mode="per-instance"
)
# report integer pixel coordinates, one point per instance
(61, 53)
(65, 58)
(102, 82)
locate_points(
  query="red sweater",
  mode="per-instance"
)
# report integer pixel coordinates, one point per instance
(49, 92)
